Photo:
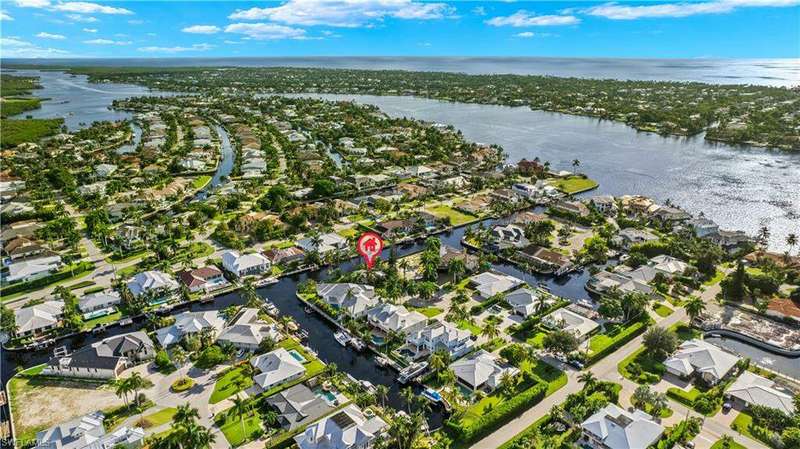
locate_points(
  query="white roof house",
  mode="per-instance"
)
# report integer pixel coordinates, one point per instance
(88, 432)
(276, 367)
(709, 362)
(526, 301)
(490, 283)
(105, 170)
(347, 429)
(247, 331)
(482, 370)
(190, 323)
(615, 428)
(99, 300)
(245, 264)
(752, 389)
(354, 299)
(153, 280)
(39, 317)
(668, 265)
(441, 336)
(393, 318)
(27, 270)
(327, 243)
(567, 320)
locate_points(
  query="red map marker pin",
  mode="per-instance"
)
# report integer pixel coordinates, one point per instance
(369, 246)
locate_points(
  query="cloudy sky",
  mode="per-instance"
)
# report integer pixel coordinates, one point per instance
(654, 29)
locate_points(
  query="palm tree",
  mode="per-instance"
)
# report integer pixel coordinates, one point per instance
(122, 387)
(457, 268)
(382, 393)
(438, 360)
(240, 409)
(695, 307)
(763, 235)
(185, 414)
(576, 163)
(791, 240)
(197, 437)
(490, 330)
(137, 382)
(588, 379)
(408, 396)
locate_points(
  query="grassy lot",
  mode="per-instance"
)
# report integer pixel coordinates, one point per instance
(537, 340)
(742, 425)
(80, 284)
(233, 381)
(347, 233)
(158, 418)
(616, 334)
(429, 312)
(456, 218)
(651, 369)
(110, 318)
(15, 132)
(134, 255)
(466, 325)
(718, 275)
(236, 433)
(574, 184)
(14, 106)
(200, 182)
(662, 310)
(733, 445)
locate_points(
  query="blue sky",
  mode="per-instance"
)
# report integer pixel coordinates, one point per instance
(652, 29)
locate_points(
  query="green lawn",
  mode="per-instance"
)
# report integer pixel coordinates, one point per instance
(615, 334)
(649, 370)
(80, 284)
(200, 182)
(718, 275)
(662, 310)
(733, 445)
(158, 418)
(235, 433)
(466, 325)
(742, 425)
(110, 318)
(233, 381)
(456, 218)
(574, 184)
(429, 312)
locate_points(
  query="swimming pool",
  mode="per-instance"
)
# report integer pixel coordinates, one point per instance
(297, 356)
(327, 395)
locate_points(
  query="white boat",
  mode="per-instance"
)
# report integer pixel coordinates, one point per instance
(342, 337)
(357, 344)
(266, 281)
(381, 361)
(367, 385)
(411, 372)
(126, 322)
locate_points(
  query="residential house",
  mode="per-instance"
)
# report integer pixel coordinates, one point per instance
(703, 227)
(509, 236)
(26, 228)
(605, 204)
(505, 196)
(482, 370)
(39, 318)
(615, 428)
(393, 318)
(353, 299)
(704, 360)
(298, 406)
(348, 428)
(154, 284)
(604, 282)
(277, 367)
(545, 259)
(104, 170)
(285, 256)
(106, 359)
(529, 168)
(246, 330)
(439, 336)
(631, 236)
(730, 240)
(204, 279)
(324, 243)
(572, 207)
(572, 322)
(447, 254)
(191, 323)
(750, 389)
(245, 264)
(491, 283)
(412, 191)
(31, 269)
(669, 214)
(527, 301)
(88, 432)
(99, 301)
(22, 248)
(392, 229)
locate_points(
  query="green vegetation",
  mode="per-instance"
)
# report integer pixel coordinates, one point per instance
(662, 310)
(615, 337)
(182, 384)
(574, 184)
(14, 106)
(200, 182)
(14, 132)
(455, 217)
(721, 444)
(66, 274)
(158, 418)
(429, 312)
(231, 381)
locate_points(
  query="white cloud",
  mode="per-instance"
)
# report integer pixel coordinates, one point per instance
(58, 37)
(479, 11)
(202, 29)
(135, 22)
(80, 18)
(615, 11)
(106, 42)
(18, 48)
(33, 3)
(90, 30)
(90, 8)
(345, 13)
(195, 47)
(524, 18)
(525, 35)
(4, 16)
(266, 31)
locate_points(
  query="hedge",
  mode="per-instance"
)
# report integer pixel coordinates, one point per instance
(500, 415)
(47, 280)
(620, 340)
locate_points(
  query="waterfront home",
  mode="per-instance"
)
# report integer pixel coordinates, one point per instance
(668, 266)
(731, 241)
(324, 243)
(412, 191)
(527, 301)
(393, 229)
(636, 204)
(528, 168)
(285, 256)
(439, 336)
(490, 283)
(22, 248)
(393, 318)
(529, 191)
(447, 254)
(615, 428)
(750, 389)
(98, 301)
(31, 269)
(604, 282)
(482, 370)
(703, 227)
(476, 205)
(605, 204)
(106, 359)
(524, 218)
(203, 279)
(572, 207)
(191, 323)
(701, 359)
(245, 264)
(348, 428)
(669, 214)
(631, 236)
(277, 367)
(154, 284)
(505, 196)
(246, 330)
(39, 318)
(508, 236)
(545, 259)
(567, 320)
(88, 432)
(353, 299)
(298, 406)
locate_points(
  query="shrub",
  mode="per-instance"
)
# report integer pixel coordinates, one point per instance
(182, 384)
(163, 363)
(210, 357)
